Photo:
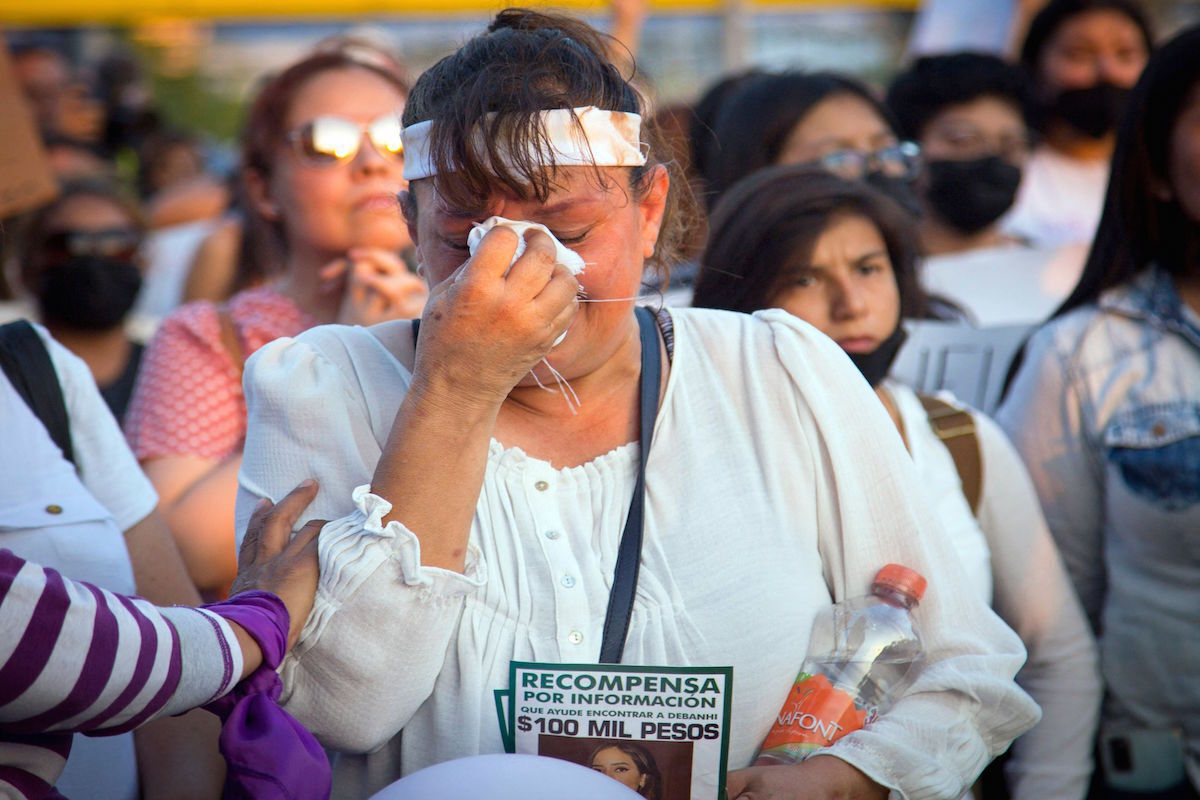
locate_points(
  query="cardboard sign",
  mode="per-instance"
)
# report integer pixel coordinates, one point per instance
(666, 725)
(26, 181)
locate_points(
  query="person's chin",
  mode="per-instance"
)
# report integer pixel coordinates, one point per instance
(382, 233)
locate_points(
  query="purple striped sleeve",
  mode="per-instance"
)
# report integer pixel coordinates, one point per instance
(37, 641)
(228, 679)
(10, 565)
(96, 672)
(146, 662)
(41, 760)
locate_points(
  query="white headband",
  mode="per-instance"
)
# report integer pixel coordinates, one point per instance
(599, 138)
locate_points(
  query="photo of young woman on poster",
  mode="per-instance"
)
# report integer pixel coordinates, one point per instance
(631, 764)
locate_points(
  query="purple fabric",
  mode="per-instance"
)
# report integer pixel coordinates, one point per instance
(28, 782)
(142, 672)
(268, 753)
(37, 642)
(97, 668)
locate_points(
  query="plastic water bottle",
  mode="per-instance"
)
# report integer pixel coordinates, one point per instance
(863, 654)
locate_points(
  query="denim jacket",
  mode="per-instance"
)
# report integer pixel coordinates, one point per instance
(1106, 414)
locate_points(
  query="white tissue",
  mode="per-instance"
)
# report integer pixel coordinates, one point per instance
(565, 255)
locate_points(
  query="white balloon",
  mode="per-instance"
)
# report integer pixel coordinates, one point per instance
(499, 776)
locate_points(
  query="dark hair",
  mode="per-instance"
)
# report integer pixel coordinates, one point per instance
(754, 122)
(1046, 23)
(935, 83)
(35, 231)
(527, 62)
(767, 223)
(702, 128)
(642, 759)
(1139, 226)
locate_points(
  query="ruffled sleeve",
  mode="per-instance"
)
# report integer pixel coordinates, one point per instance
(375, 641)
(965, 708)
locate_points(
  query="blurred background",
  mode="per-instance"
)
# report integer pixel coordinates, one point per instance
(201, 59)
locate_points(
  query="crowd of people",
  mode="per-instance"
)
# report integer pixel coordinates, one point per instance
(442, 348)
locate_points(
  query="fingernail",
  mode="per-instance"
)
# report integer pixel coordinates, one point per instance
(307, 483)
(263, 502)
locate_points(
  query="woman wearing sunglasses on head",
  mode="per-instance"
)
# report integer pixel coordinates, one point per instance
(322, 164)
(80, 261)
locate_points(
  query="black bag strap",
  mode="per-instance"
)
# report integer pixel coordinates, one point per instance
(629, 552)
(26, 362)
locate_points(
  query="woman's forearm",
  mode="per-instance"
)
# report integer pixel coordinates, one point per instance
(432, 468)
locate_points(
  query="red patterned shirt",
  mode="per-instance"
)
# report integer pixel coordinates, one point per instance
(188, 399)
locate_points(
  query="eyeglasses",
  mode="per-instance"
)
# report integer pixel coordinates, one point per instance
(116, 243)
(900, 160)
(333, 140)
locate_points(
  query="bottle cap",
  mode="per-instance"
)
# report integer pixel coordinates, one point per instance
(901, 579)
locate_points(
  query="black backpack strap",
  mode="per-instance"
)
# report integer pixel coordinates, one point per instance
(26, 362)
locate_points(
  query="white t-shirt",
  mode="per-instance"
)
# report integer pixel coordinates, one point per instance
(73, 520)
(769, 495)
(1008, 555)
(1059, 200)
(1007, 285)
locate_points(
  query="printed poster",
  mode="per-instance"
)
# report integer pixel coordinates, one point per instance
(668, 725)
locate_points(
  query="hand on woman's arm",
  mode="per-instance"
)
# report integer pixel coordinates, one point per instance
(186, 650)
(272, 560)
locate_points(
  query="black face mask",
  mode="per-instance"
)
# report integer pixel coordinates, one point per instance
(874, 365)
(970, 195)
(90, 293)
(1093, 111)
(899, 189)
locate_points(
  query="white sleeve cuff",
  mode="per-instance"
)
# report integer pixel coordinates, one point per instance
(352, 548)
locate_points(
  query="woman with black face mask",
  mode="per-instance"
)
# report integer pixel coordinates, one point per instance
(970, 113)
(81, 264)
(1084, 56)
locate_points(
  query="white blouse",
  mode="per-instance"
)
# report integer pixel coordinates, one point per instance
(1008, 555)
(768, 497)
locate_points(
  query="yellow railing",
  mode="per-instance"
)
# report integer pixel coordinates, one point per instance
(121, 12)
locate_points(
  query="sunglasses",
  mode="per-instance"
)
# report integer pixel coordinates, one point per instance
(334, 140)
(116, 243)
